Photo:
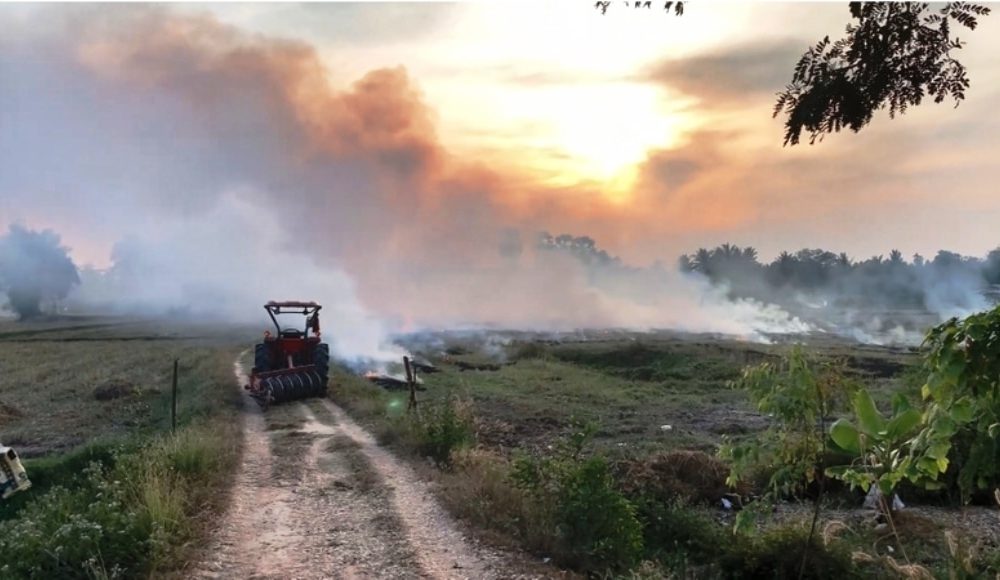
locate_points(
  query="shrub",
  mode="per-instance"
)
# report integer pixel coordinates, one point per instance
(530, 350)
(673, 530)
(692, 476)
(778, 553)
(443, 429)
(595, 519)
(596, 527)
(963, 411)
(479, 488)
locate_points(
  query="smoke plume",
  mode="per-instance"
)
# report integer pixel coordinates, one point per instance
(226, 169)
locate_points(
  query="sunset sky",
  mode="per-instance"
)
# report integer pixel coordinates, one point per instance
(650, 132)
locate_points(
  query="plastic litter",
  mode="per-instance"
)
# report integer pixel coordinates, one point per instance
(872, 500)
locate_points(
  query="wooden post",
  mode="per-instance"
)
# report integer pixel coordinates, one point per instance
(173, 401)
(411, 380)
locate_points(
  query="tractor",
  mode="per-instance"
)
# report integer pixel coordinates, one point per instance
(291, 364)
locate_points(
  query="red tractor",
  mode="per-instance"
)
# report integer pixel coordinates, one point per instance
(291, 364)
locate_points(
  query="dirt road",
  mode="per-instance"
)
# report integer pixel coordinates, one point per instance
(315, 497)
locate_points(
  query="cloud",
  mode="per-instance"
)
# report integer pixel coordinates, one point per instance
(730, 75)
(348, 24)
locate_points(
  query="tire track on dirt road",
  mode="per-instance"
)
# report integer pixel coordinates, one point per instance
(317, 498)
(442, 550)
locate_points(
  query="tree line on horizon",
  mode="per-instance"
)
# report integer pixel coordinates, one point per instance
(883, 281)
(948, 283)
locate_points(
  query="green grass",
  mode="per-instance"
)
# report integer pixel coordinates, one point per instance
(525, 397)
(115, 493)
(631, 384)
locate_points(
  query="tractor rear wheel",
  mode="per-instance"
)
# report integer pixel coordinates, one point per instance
(261, 360)
(321, 358)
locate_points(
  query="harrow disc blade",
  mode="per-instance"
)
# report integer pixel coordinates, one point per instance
(293, 386)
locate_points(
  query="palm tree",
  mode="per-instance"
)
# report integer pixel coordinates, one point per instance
(702, 261)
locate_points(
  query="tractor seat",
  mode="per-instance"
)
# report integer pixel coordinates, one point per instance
(292, 333)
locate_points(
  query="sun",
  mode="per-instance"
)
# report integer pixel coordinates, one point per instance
(606, 130)
(569, 134)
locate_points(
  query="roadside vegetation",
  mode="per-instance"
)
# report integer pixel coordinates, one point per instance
(115, 494)
(614, 454)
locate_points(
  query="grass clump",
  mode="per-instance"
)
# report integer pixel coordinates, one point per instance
(441, 430)
(479, 488)
(530, 350)
(122, 516)
(677, 532)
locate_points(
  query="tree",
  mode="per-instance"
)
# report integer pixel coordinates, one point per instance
(34, 267)
(894, 55)
(896, 258)
(843, 260)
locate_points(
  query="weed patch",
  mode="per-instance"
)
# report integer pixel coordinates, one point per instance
(690, 476)
(443, 429)
(594, 524)
(122, 515)
(778, 553)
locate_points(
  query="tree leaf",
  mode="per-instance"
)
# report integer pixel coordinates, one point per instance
(963, 410)
(846, 436)
(903, 424)
(870, 421)
(900, 403)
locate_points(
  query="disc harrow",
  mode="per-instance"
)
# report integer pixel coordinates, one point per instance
(292, 386)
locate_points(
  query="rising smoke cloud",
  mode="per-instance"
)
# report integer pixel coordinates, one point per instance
(229, 170)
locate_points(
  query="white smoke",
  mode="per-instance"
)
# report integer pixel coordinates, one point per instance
(224, 264)
(233, 173)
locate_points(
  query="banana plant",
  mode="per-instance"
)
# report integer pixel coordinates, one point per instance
(885, 448)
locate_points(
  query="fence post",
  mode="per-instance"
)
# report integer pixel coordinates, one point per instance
(411, 380)
(173, 401)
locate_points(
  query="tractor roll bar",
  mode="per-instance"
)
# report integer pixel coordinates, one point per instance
(308, 309)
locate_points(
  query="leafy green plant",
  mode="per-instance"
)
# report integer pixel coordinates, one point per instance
(885, 451)
(963, 396)
(443, 429)
(596, 525)
(797, 394)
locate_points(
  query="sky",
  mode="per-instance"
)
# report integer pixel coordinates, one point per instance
(632, 105)
(397, 142)
(663, 121)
